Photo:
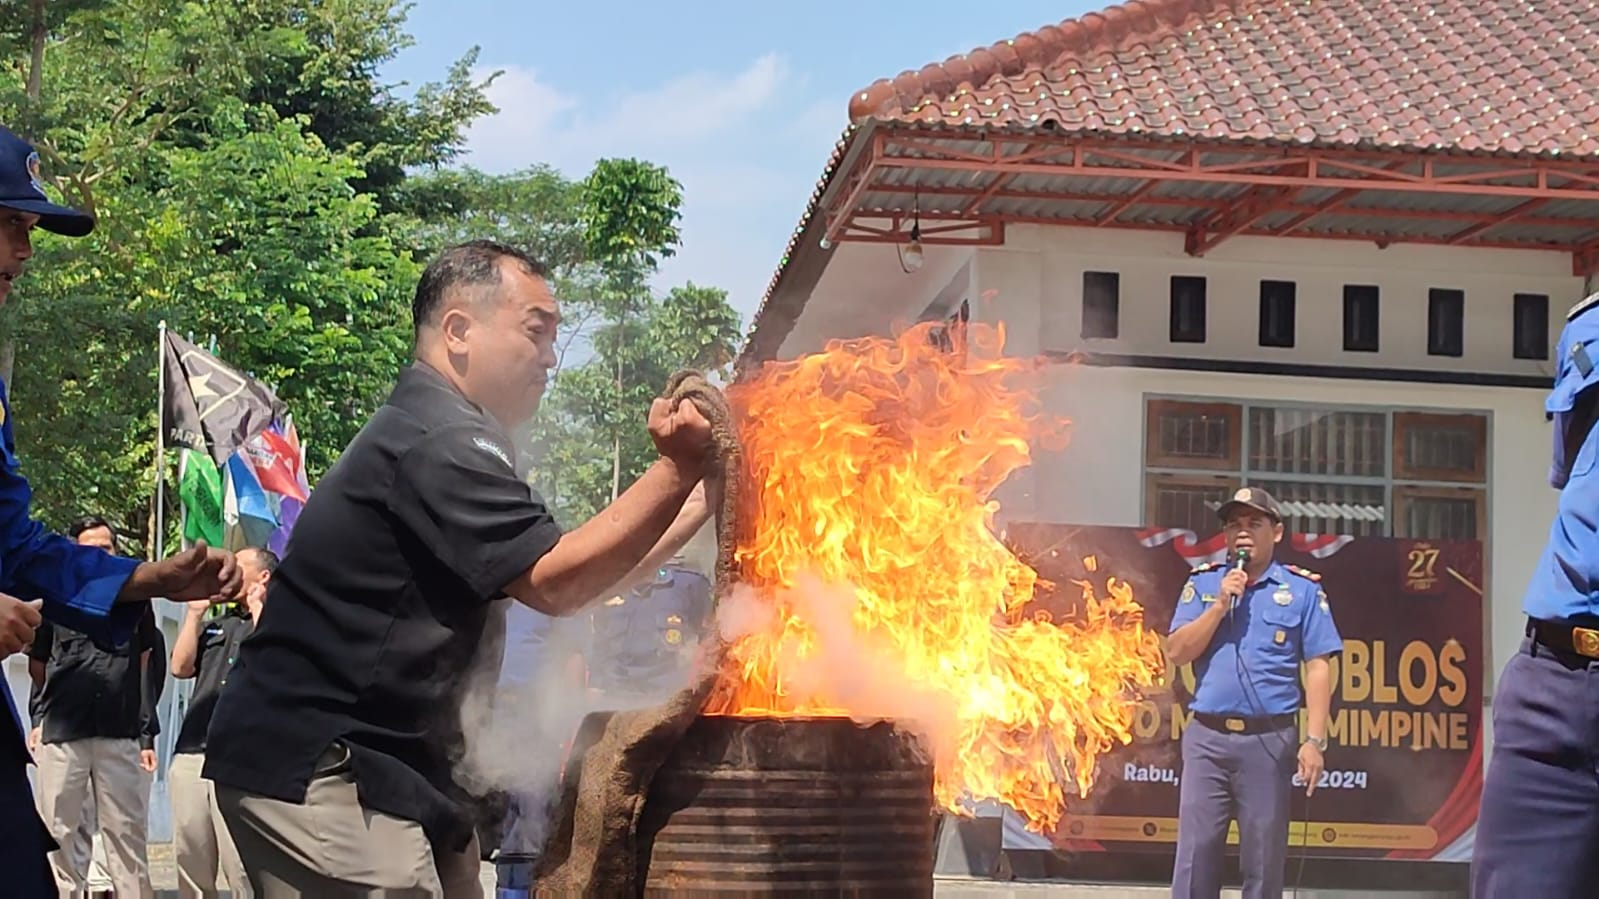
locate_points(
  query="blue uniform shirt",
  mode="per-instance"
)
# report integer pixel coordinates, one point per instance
(78, 584)
(1566, 582)
(1283, 618)
(645, 639)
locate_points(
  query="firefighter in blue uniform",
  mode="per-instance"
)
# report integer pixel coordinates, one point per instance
(645, 638)
(1538, 823)
(45, 575)
(1246, 630)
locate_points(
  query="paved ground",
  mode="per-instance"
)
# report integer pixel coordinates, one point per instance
(164, 877)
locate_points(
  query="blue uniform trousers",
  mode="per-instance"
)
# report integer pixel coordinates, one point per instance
(1225, 776)
(24, 845)
(1539, 820)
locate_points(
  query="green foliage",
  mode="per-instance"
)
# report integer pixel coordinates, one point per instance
(192, 131)
(536, 209)
(630, 213)
(257, 184)
(690, 327)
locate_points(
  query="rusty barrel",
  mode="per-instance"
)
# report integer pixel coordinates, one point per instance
(817, 806)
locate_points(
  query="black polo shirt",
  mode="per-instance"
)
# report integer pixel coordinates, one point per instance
(215, 653)
(95, 690)
(378, 610)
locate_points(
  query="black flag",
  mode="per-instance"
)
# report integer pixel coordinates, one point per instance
(209, 406)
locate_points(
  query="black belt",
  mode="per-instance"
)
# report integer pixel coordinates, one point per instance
(1566, 637)
(1239, 724)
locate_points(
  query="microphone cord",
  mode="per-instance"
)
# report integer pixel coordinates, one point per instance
(1244, 679)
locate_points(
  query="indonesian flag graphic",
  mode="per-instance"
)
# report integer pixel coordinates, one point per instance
(1214, 550)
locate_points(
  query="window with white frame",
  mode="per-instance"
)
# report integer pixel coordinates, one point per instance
(1360, 471)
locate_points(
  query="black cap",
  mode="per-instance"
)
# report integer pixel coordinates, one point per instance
(20, 189)
(1253, 497)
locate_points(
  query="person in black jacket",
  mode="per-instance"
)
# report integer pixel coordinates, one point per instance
(205, 650)
(95, 724)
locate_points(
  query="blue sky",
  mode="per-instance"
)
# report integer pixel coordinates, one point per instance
(742, 101)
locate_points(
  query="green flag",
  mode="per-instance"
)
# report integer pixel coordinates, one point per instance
(200, 491)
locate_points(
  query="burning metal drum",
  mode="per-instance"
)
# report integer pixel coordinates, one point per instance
(790, 805)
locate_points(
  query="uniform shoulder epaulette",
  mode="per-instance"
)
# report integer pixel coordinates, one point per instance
(1208, 566)
(1305, 573)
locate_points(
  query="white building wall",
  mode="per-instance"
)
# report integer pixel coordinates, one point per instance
(1042, 267)
(1034, 286)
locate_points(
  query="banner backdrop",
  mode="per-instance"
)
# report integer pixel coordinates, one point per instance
(1404, 768)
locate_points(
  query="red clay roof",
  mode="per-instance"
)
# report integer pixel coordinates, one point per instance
(1511, 76)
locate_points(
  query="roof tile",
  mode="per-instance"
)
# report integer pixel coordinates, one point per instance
(1509, 76)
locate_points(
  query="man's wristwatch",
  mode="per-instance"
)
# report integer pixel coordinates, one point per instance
(1319, 742)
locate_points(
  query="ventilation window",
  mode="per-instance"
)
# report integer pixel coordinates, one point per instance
(1187, 309)
(1277, 313)
(1531, 326)
(1101, 305)
(1446, 322)
(1360, 318)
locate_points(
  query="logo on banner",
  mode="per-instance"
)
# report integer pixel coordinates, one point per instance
(1421, 568)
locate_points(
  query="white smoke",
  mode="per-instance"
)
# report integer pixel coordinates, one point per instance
(518, 718)
(845, 667)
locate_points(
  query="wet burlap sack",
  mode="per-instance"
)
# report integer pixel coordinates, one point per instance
(593, 845)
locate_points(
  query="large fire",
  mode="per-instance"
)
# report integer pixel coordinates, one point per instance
(874, 584)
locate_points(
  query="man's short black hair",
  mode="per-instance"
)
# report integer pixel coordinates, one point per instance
(475, 263)
(266, 558)
(89, 523)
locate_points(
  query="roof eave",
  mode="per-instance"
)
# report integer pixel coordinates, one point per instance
(804, 259)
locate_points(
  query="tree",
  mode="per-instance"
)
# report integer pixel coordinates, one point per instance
(537, 210)
(222, 210)
(690, 327)
(256, 183)
(631, 210)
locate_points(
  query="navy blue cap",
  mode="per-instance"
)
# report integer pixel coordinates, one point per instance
(1254, 498)
(20, 189)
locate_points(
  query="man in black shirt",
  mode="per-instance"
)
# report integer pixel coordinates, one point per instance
(94, 708)
(332, 748)
(205, 650)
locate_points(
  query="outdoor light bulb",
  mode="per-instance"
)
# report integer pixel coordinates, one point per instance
(911, 256)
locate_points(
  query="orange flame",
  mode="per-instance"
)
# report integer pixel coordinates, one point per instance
(874, 585)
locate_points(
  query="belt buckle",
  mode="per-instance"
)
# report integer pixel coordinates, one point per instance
(1237, 725)
(1585, 641)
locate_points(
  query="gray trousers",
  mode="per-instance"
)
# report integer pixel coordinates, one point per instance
(199, 835)
(108, 771)
(1248, 777)
(329, 847)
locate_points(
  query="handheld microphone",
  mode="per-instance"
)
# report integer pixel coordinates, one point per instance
(1240, 559)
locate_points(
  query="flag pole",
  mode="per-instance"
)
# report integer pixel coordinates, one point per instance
(161, 442)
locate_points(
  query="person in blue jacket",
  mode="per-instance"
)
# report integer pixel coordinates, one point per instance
(1538, 821)
(45, 575)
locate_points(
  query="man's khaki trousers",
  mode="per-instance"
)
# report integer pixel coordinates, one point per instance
(330, 847)
(199, 835)
(108, 769)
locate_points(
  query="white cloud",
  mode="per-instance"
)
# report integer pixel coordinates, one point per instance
(530, 112)
(747, 146)
(538, 122)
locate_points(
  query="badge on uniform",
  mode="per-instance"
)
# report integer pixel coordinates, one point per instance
(615, 601)
(1282, 597)
(674, 636)
(1207, 598)
(1279, 637)
(1188, 592)
(674, 619)
(1321, 598)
